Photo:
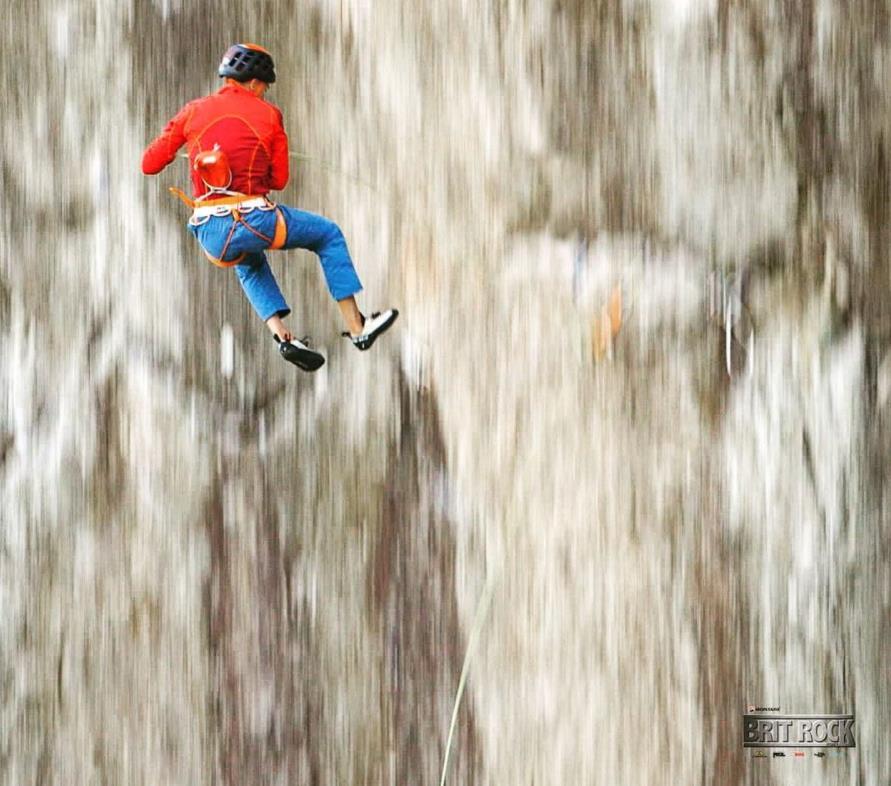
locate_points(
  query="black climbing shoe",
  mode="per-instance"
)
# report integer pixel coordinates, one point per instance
(372, 327)
(299, 353)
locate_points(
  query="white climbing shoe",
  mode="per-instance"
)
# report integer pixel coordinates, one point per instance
(372, 327)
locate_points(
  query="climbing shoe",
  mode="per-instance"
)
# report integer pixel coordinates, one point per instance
(372, 327)
(300, 354)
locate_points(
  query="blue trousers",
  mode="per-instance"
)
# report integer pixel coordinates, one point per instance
(304, 230)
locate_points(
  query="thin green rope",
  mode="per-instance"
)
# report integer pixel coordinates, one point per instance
(325, 165)
(334, 170)
(481, 610)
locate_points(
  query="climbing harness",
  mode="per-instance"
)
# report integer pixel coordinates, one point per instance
(219, 201)
(235, 205)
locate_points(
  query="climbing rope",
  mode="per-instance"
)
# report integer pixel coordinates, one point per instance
(482, 608)
(324, 165)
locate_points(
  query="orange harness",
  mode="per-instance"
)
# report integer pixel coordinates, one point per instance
(229, 206)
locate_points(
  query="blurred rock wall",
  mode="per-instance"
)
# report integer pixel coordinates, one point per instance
(215, 569)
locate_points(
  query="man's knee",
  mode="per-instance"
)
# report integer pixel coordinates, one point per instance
(332, 233)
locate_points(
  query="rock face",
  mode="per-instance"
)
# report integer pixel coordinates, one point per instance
(216, 570)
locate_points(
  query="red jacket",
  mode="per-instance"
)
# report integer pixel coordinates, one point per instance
(247, 128)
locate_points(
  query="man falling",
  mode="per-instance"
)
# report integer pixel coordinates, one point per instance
(238, 151)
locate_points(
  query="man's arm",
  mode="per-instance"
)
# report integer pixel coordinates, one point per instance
(162, 150)
(279, 170)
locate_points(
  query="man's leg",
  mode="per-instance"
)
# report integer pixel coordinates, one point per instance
(263, 292)
(277, 328)
(321, 235)
(349, 309)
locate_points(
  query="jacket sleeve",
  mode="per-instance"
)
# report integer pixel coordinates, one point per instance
(162, 150)
(279, 166)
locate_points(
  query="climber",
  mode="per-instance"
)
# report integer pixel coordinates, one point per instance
(238, 152)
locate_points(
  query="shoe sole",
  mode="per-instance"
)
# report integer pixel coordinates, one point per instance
(366, 345)
(304, 359)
